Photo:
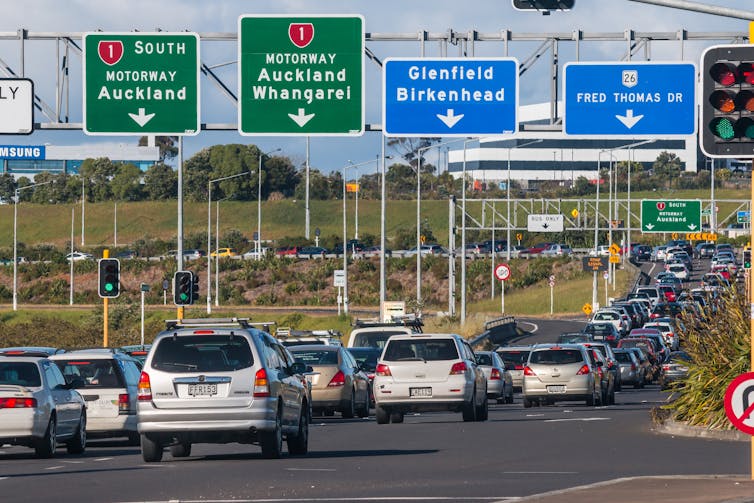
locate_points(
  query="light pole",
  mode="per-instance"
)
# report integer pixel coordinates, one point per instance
(508, 197)
(83, 198)
(418, 217)
(209, 234)
(259, 199)
(15, 239)
(463, 235)
(345, 235)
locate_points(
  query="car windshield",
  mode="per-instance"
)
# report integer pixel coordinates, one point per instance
(599, 329)
(366, 357)
(203, 353)
(556, 356)
(316, 356)
(426, 349)
(95, 373)
(376, 339)
(517, 358)
(20, 374)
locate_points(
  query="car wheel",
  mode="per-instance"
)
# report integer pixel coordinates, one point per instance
(590, 400)
(619, 385)
(484, 411)
(382, 415)
(134, 438)
(77, 445)
(363, 411)
(527, 403)
(45, 446)
(272, 441)
(349, 411)
(470, 409)
(151, 450)
(298, 445)
(182, 450)
(396, 417)
(611, 398)
(509, 398)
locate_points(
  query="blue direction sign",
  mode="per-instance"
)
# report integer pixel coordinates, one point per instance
(450, 96)
(630, 99)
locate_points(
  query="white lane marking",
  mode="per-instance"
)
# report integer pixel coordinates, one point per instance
(536, 327)
(54, 467)
(370, 498)
(654, 264)
(103, 459)
(73, 462)
(542, 473)
(311, 469)
(4, 478)
(534, 415)
(577, 419)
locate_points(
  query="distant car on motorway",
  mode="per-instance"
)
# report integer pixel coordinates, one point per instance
(312, 252)
(78, 256)
(675, 369)
(39, 409)
(642, 252)
(428, 249)
(631, 370)
(499, 380)
(576, 378)
(538, 248)
(557, 250)
(127, 254)
(515, 357)
(224, 252)
(374, 251)
(575, 337)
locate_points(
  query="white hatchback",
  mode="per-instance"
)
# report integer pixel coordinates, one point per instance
(429, 372)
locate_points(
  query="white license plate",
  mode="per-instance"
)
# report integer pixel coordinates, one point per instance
(420, 391)
(202, 389)
(598, 337)
(556, 389)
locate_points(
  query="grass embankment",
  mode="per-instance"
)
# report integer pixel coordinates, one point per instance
(157, 219)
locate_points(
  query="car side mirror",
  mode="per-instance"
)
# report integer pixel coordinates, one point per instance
(300, 368)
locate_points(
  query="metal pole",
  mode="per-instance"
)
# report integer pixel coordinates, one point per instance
(70, 296)
(492, 253)
(115, 225)
(179, 256)
(713, 209)
(15, 251)
(217, 255)
(628, 202)
(596, 228)
(356, 211)
(451, 256)
(142, 316)
(307, 217)
(552, 299)
(83, 199)
(502, 297)
(209, 246)
(105, 311)
(610, 208)
(698, 7)
(259, 205)
(418, 233)
(463, 240)
(382, 232)
(345, 252)
(508, 214)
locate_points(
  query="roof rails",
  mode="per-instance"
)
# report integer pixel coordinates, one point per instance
(203, 322)
(407, 320)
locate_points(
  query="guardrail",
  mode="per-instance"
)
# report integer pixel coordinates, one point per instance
(499, 331)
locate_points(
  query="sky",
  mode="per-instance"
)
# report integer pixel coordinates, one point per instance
(381, 17)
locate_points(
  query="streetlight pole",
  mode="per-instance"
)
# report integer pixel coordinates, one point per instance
(259, 199)
(15, 239)
(209, 234)
(508, 197)
(383, 292)
(83, 199)
(463, 235)
(73, 219)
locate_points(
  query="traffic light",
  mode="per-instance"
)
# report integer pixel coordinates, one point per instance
(183, 288)
(727, 128)
(108, 277)
(747, 259)
(543, 5)
(195, 289)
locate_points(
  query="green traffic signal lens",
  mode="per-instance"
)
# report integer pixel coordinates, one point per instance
(722, 127)
(109, 287)
(184, 296)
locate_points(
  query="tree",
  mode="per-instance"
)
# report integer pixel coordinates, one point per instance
(97, 174)
(161, 182)
(319, 186)
(126, 183)
(408, 148)
(280, 175)
(196, 174)
(168, 150)
(230, 160)
(667, 166)
(7, 187)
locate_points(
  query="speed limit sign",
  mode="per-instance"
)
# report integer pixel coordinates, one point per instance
(502, 272)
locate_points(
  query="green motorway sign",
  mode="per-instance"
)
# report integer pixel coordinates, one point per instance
(141, 83)
(668, 215)
(301, 75)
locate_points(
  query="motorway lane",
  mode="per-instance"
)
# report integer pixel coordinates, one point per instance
(517, 452)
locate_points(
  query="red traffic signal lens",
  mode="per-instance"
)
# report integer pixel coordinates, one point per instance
(723, 128)
(723, 101)
(724, 74)
(747, 72)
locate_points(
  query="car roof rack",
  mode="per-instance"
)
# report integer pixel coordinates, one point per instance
(405, 320)
(215, 322)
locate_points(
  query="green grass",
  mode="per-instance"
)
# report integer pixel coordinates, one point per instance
(51, 224)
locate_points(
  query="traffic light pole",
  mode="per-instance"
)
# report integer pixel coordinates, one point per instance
(105, 305)
(751, 331)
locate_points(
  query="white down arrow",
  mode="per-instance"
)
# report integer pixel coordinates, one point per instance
(629, 120)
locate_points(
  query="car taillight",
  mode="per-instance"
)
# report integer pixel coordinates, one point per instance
(495, 375)
(123, 403)
(654, 315)
(633, 366)
(528, 371)
(17, 403)
(339, 379)
(144, 388)
(261, 384)
(382, 370)
(458, 368)
(666, 367)
(584, 370)
(610, 337)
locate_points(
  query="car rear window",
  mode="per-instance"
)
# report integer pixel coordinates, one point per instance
(202, 353)
(20, 374)
(376, 339)
(95, 373)
(646, 346)
(316, 357)
(623, 358)
(424, 349)
(599, 329)
(517, 358)
(366, 357)
(484, 359)
(573, 338)
(556, 356)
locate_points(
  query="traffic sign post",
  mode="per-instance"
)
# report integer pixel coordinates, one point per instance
(629, 99)
(16, 106)
(551, 282)
(669, 215)
(141, 83)
(450, 96)
(502, 273)
(301, 76)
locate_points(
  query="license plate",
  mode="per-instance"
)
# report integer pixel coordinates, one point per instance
(556, 389)
(598, 337)
(420, 391)
(202, 389)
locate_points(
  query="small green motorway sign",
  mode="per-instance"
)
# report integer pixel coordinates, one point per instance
(668, 215)
(141, 83)
(301, 75)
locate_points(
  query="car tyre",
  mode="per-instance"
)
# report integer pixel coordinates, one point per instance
(151, 450)
(382, 415)
(350, 409)
(133, 438)
(77, 445)
(509, 398)
(590, 401)
(363, 411)
(396, 417)
(272, 441)
(484, 411)
(182, 450)
(45, 446)
(298, 445)
(470, 409)
(528, 403)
